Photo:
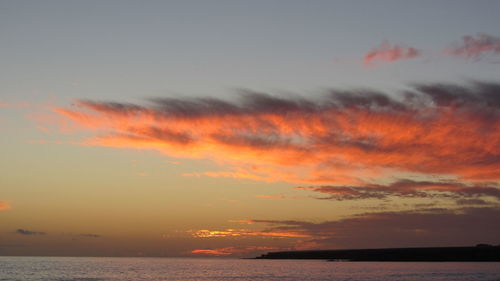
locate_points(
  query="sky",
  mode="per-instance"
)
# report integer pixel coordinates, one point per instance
(235, 128)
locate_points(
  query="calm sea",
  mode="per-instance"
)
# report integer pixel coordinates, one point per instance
(149, 269)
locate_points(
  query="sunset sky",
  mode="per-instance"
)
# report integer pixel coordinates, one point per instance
(235, 128)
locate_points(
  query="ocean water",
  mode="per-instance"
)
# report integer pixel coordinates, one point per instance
(190, 269)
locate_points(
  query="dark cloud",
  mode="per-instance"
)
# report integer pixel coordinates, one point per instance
(364, 99)
(477, 94)
(29, 232)
(483, 95)
(406, 188)
(471, 202)
(254, 103)
(433, 227)
(250, 103)
(114, 107)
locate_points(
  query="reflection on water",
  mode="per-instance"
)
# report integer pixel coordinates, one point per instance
(188, 269)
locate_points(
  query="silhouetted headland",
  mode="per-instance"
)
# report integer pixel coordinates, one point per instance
(479, 253)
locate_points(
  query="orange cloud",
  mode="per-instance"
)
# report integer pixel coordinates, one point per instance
(348, 138)
(215, 252)
(204, 233)
(476, 47)
(419, 228)
(387, 53)
(226, 251)
(4, 205)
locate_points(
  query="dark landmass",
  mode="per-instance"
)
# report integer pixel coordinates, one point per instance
(479, 253)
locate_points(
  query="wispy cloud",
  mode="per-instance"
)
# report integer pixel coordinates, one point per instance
(4, 205)
(345, 138)
(476, 47)
(29, 232)
(428, 226)
(388, 53)
(432, 227)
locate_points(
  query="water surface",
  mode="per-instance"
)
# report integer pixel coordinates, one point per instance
(190, 269)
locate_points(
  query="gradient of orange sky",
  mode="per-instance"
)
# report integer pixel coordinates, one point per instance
(120, 134)
(354, 150)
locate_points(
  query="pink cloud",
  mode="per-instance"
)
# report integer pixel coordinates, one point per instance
(388, 53)
(475, 47)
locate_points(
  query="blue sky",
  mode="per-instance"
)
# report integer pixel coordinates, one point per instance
(131, 49)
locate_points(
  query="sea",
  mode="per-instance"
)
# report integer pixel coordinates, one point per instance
(191, 269)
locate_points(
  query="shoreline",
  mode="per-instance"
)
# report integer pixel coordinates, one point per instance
(480, 253)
